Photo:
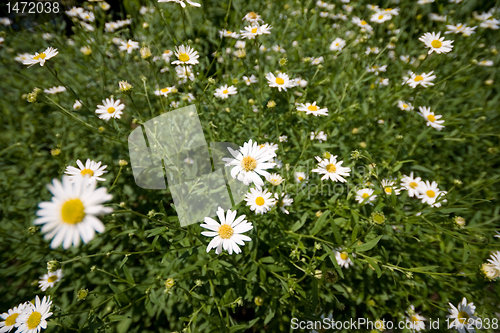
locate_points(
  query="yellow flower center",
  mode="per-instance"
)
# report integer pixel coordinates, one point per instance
(52, 278)
(225, 91)
(337, 44)
(225, 231)
(414, 319)
(344, 256)
(431, 118)
(363, 22)
(331, 168)
(260, 201)
(73, 211)
(380, 17)
(312, 108)
(34, 320)
(86, 172)
(165, 90)
(11, 320)
(254, 30)
(111, 109)
(301, 178)
(405, 106)
(280, 81)
(436, 44)
(248, 163)
(228, 32)
(365, 195)
(463, 317)
(413, 185)
(252, 15)
(388, 9)
(183, 57)
(430, 193)
(418, 78)
(40, 56)
(388, 190)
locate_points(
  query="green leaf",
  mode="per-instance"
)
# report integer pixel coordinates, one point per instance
(128, 275)
(375, 266)
(354, 234)
(320, 223)
(367, 246)
(466, 253)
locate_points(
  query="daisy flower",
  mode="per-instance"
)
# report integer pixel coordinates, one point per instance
(362, 24)
(91, 171)
(300, 176)
(460, 28)
(337, 45)
(374, 50)
(282, 81)
(415, 321)
(376, 69)
(54, 90)
(343, 258)
(227, 33)
(274, 179)
(22, 57)
(9, 317)
(166, 55)
(165, 91)
(321, 136)
(317, 61)
(182, 2)
(50, 279)
(411, 184)
(436, 43)
(110, 109)
(405, 106)
(389, 187)
(313, 109)
(380, 17)
(33, 318)
(424, 79)
(463, 316)
(284, 202)
(250, 162)
(40, 58)
(224, 91)
(186, 55)
(251, 32)
(71, 214)
(429, 193)
(485, 63)
(331, 169)
(260, 201)
(495, 261)
(128, 46)
(77, 105)
(228, 234)
(432, 119)
(365, 195)
(489, 271)
(491, 24)
(250, 80)
(252, 17)
(184, 72)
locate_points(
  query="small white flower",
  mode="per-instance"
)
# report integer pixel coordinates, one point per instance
(331, 169)
(312, 109)
(300, 176)
(424, 79)
(91, 171)
(415, 321)
(436, 43)
(365, 195)
(252, 17)
(34, 317)
(128, 46)
(388, 186)
(282, 81)
(337, 45)
(186, 55)
(259, 200)
(54, 90)
(274, 179)
(250, 80)
(228, 234)
(321, 136)
(77, 105)
(224, 91)
(429, 193)
(343, 259)
(165, 91)
(411, 184)
(110, 109)
(405, 106)
(463, 316)
(50, 279)
(9, 317)
(432, 119)
(40, 58)
(285, 201)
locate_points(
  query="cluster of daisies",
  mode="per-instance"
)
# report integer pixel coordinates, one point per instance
(28, 317)
(428, 192)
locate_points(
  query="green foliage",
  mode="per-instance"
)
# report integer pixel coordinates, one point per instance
(418, 255)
